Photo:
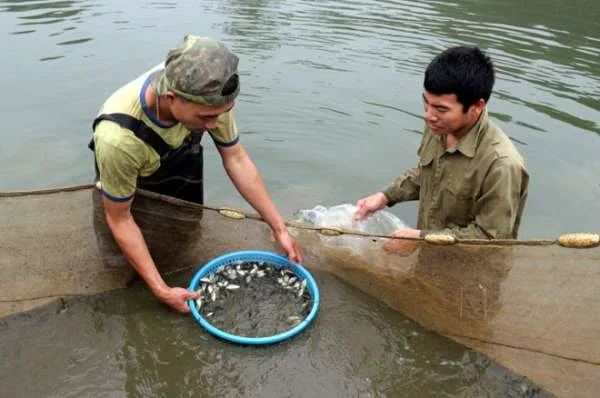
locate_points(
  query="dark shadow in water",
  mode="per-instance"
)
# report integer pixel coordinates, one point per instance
(36, 12)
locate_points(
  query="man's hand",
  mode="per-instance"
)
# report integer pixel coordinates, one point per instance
(407, 233)
(132, 244)
(370, 204)
(177, 298)
(289, 245)
(403, 247)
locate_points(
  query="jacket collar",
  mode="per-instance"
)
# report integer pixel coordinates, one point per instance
(467, 145)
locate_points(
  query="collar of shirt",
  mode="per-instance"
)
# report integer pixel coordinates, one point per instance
(467, 145)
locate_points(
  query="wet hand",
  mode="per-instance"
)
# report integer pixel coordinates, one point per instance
(177, 298)
(407, 233)
(289, 245)
(370, 204)
(403, 247)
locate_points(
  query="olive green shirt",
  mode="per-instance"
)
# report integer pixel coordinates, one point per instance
(475, 189)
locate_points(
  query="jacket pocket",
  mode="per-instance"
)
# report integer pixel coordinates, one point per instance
(457, 207)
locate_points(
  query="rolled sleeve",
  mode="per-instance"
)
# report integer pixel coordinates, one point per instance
(406, 187)
(118, 171)
(226, 132)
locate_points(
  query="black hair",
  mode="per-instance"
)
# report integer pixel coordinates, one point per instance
(230, 85)
(464, 71)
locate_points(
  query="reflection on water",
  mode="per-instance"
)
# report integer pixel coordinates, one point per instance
(44, 13)
(524, 49)
(318, 75)
(52, 19)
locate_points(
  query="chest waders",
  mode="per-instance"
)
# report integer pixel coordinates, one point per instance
(180, 174)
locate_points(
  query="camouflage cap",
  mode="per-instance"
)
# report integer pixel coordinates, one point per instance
(201, 70)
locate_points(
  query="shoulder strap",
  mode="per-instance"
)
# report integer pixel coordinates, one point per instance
(139, 128)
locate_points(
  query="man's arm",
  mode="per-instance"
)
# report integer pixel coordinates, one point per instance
(247, 180)
(131, 241)
(404, 188)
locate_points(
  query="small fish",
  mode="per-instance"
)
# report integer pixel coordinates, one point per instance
(261, 273)
(248, 279)
(199, 302)
(294, 319)
(213, 295)
(231, 286)
(302, 287)
(206, 280)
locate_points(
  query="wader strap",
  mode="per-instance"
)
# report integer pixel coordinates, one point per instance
(139, 128)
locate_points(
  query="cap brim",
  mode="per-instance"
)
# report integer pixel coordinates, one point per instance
(160, 86)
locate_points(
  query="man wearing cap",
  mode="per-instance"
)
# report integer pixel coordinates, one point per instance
(148, 134)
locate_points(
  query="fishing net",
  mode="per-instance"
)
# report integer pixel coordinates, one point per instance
(530, 305)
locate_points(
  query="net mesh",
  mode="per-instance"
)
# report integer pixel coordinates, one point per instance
(530, 305)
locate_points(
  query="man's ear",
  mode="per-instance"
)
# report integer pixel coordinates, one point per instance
(478, 107)
(170, 96)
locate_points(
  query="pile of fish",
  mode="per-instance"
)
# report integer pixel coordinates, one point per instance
(253, 298)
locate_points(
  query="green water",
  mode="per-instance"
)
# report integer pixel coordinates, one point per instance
(330, 108)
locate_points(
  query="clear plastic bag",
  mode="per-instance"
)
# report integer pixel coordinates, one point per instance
(379, 223)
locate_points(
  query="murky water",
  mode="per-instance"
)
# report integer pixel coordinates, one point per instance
(125, 343)
(330, 111)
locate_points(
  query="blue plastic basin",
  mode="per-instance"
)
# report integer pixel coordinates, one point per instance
(272, 259)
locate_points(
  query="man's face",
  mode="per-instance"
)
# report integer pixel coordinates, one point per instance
(444, 114)
(197, 117)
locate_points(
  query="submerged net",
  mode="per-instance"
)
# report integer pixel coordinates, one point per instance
(253, 299)
(530, 305)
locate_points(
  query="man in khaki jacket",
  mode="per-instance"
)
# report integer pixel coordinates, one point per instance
(471, 181)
